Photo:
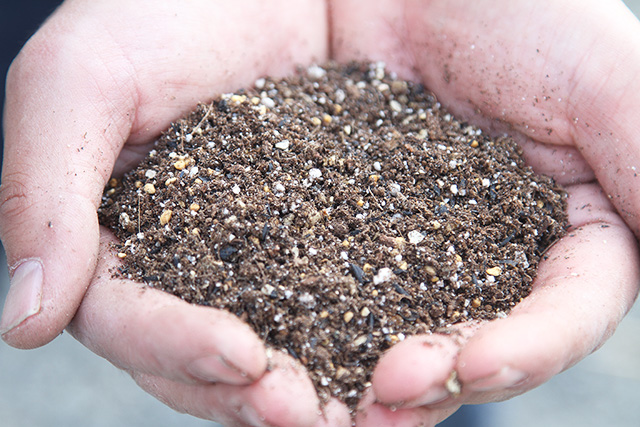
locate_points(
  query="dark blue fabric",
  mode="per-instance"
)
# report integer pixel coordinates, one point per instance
(19, 19)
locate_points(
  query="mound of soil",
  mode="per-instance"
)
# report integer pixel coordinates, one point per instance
(337, 212)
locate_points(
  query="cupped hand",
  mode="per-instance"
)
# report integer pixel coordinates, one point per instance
(561, 77)
(86, 98)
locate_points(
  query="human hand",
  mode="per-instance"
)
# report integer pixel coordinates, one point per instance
(561, 78)
(85, 99)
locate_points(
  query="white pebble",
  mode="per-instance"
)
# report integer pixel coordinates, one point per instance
(236, 189)
(315, 72)
(395, 106)
(486, 182)
(260, 83)
(377, 166)
(315, 173)
(384, 275)
(268, 102)
(454, 189)
(150, 174)
(279, 188)
(283, 145)
(415, 237)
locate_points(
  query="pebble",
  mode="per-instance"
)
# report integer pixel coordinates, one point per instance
(395, 106)
(165, 217)
(283, 145)
(348, 316)
(236, 189)
(494, 271)
(415, 237)
(180, 164)
(268, 102)
(315, 173)
(150, 174)
(316, 73)
(365, 312)
(360, 340)
(384, 275)
(149, 188)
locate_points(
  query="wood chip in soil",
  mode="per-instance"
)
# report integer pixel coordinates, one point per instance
(337, 211)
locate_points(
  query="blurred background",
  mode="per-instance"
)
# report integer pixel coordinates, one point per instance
(63, 384)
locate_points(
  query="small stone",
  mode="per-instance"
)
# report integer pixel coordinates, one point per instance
(399, 87)
(150, 174)
(283, 145)
(180, 164)
(113, 182)
(327, 119)
(279, 188)
(149, 188)
(267, 290)
(259, 84)
(360, 340)
(436, 224)
(377, 166)
(170, 181)
(476, 303)
(316, 121)
(236, 189)
(395, 106)
(348, 316)
(316, 73)
(194, 207)
(165, 217)
(122, 255)
(268, 102)
(415, 237)
(430, 270)
(365, 312)
(474, 144)
(384, 275)
(347, 129)
(315, 173)
(486, 182)
(494, 271)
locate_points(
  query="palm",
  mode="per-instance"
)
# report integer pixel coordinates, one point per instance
(499, 68)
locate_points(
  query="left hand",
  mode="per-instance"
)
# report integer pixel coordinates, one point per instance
(561, 77)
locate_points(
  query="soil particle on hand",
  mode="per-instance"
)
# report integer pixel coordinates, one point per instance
(337, 212)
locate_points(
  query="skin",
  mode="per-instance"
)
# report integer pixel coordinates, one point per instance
(101, 79)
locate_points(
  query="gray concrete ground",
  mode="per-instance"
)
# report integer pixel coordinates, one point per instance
(63, 384)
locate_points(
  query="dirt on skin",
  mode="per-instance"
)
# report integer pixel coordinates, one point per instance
(337, 212)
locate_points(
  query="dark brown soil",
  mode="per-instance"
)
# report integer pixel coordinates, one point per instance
(337, 212)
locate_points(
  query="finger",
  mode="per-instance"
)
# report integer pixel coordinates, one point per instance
(377, 414)
(149, 331)
(284, 396)
(583, 289)
(99, 74)
(415, 372)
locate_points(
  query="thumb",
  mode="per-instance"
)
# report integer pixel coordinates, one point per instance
(61, 142)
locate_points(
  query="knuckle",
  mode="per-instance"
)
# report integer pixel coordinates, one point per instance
(15, 201)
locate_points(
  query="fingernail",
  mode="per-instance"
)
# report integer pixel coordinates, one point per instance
(24, 296)
(250, 416)
(216, 368)
(434, 395)
(505, 378)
